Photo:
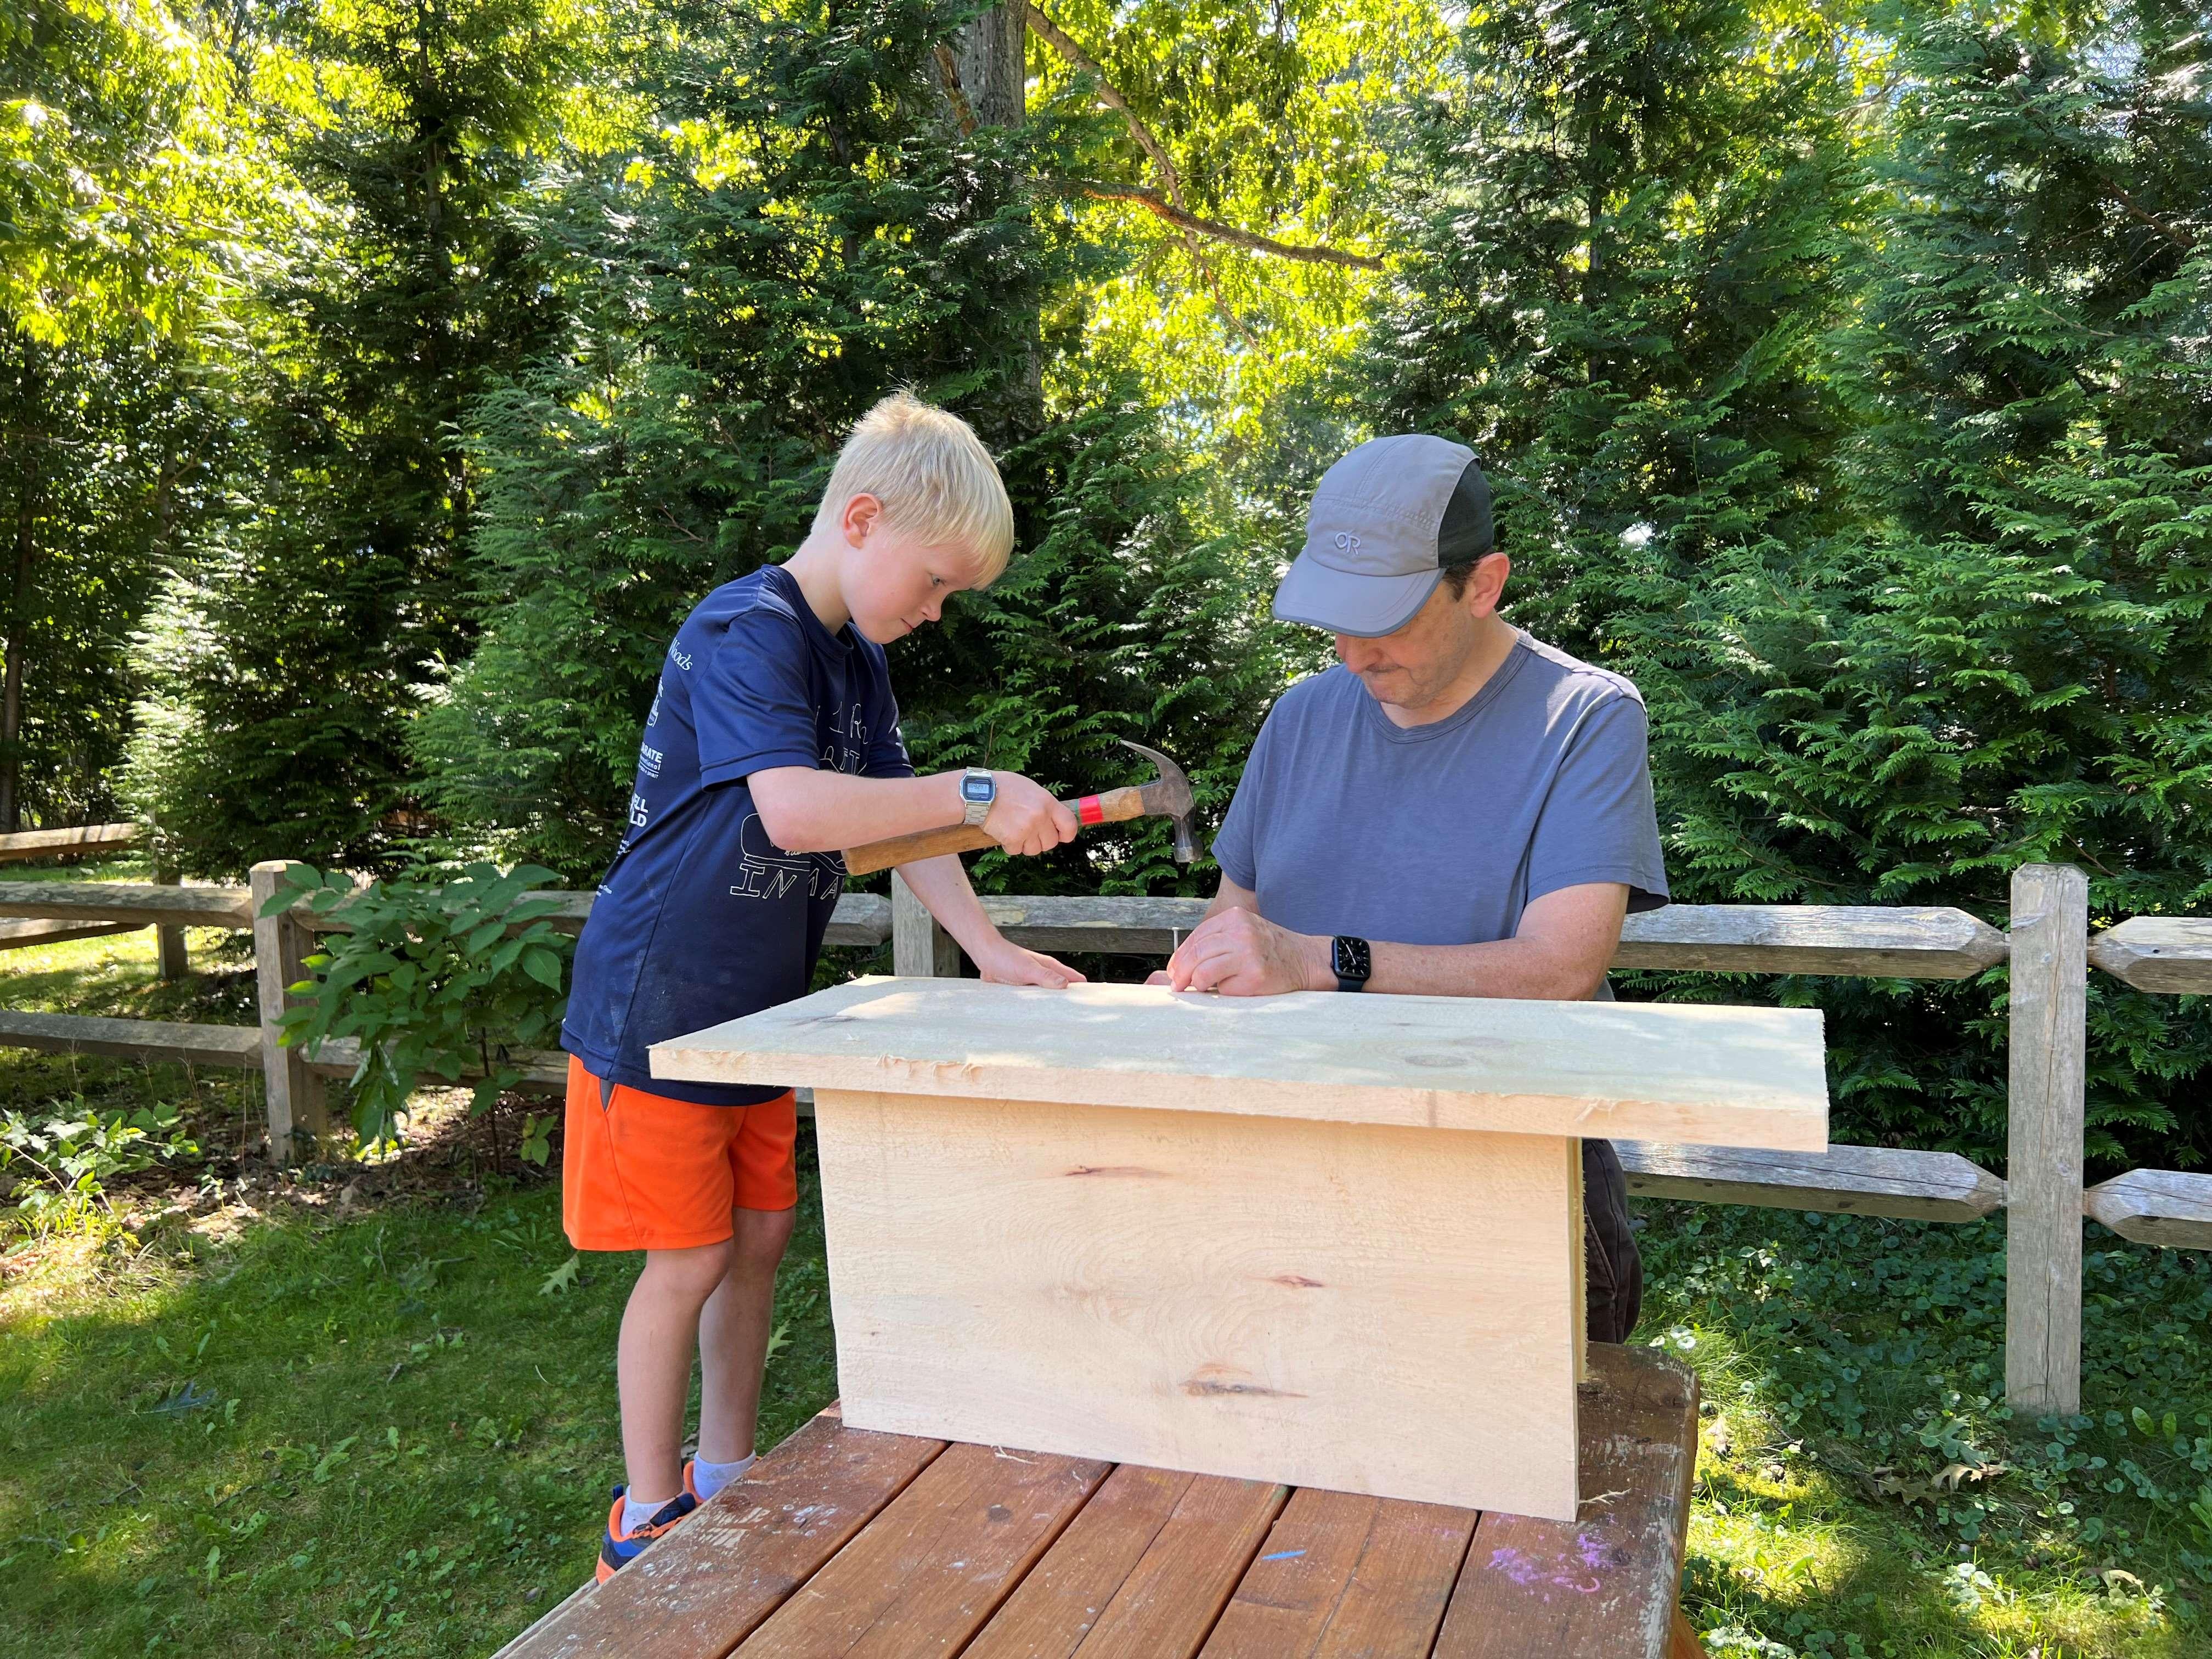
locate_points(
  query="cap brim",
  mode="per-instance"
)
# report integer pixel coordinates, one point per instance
(1364, 607)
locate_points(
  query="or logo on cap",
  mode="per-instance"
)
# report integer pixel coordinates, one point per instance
(1348, 542)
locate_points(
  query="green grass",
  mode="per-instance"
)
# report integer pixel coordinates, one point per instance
(247, 1416)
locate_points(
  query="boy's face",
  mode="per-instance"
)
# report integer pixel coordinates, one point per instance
(895, 584)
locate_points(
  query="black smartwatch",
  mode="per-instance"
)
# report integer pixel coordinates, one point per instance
(1352, 961)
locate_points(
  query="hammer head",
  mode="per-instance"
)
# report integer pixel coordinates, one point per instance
(1168, 796)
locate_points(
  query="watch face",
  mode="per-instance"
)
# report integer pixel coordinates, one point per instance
(977, 789)
(1353, 960)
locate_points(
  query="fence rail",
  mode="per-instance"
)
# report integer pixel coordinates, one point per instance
(2048, 946)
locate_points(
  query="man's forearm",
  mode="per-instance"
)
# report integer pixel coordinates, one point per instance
(1508, 968)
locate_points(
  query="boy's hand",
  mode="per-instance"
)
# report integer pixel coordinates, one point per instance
(1005, 962)
(1025, 819)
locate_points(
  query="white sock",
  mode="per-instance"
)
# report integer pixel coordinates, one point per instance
(711, 1478)
(636, 1514)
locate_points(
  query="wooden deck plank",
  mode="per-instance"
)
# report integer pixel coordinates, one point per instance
(1609, 1583)
(937, 1564)
(701, 1590)
(1342, 1576)
(1142, 1573)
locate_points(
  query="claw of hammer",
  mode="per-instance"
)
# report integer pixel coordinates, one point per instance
(1168, 796)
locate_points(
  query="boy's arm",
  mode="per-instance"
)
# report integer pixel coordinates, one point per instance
(942, 886)
(808, 810)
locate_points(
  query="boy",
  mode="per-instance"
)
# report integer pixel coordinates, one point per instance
(772, 742)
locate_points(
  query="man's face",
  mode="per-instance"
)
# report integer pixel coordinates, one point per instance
(1416, 665)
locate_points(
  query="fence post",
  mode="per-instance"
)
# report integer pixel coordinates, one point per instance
(2048, 1041)
(169, 942)
(295, 1093)
(920, 948)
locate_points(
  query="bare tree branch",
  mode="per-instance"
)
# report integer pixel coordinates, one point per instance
(1172, 207)
(1154, 202)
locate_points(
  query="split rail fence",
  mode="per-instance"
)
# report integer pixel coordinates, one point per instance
(2048, 946)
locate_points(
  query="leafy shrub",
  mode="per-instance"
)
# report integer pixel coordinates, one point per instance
(432, 978)
(70, 1157)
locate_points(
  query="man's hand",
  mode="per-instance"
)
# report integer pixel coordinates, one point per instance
(1026, 820)
(1002, 961)
(1240, 954)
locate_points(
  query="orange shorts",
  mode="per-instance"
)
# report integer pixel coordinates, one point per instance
(642, 1172)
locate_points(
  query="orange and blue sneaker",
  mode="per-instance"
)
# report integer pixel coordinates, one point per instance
(619, 1548)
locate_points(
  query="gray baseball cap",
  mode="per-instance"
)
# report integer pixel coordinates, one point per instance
(1386, 522)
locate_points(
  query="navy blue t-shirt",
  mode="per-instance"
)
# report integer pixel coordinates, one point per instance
(702, 918)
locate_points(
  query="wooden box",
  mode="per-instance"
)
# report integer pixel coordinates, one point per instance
(1324, 1240)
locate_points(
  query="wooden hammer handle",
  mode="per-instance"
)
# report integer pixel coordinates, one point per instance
(1111, 807)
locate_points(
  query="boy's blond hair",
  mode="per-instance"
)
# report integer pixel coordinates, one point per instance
(935, 478)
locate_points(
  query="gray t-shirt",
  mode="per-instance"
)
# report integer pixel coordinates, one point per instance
(1440, 835)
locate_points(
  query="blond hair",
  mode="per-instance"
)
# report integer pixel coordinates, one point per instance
(935, 479)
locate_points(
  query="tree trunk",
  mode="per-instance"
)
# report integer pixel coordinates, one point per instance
(19, 625)
(989, 54)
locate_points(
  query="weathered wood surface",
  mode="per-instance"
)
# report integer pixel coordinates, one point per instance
(1705, 1075)
(2158, 953)
(1926, 943)
(1112, 927)
(861, 919)
(2043, 1152)
(920, 948)
(937, 1562)
(149, 1040)
(1610, 1582)
(2156, 1206)
(19, 935)
(1208, 1292)
(1843, 1180)
(1142, 1573)
(134, 902)
(1343, 1575)
(712, 1583)
(293, 1088)
(1129, 1567)
(54, 843)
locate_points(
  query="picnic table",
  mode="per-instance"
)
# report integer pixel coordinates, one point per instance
(851, 1544)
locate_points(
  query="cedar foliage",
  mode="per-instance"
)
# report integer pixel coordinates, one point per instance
(1906, 543)
(812, 230)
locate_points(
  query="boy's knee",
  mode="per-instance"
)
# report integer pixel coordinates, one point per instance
(693, 1272)
(759, 1238)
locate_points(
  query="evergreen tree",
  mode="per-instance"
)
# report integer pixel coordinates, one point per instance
(287, 658)
(814, 229)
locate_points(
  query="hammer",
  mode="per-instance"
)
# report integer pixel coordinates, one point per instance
(1166, 796)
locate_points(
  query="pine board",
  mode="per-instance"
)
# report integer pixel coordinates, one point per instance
(1354, 1306)
(1706, 1075)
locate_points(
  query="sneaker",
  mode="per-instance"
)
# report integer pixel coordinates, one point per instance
(619, 1548)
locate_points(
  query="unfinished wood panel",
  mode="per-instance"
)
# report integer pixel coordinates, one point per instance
(150, 1040)
(138, 902)
(1347, 1578)
(2043, 1152)
(706, 1586)
(1907, 943)
(2156, 1206)
(1142, 1573)
(1843, 1180)
(937, 1562)
(2158, 953)
(1268, 1299)
(1608, 1584)
(1716, 1076)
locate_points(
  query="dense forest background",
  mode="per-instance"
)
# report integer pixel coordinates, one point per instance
(381, 380)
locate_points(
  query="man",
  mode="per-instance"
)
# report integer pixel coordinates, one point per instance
(1459, 810)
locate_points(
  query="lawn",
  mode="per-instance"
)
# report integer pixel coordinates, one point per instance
(371, 1409)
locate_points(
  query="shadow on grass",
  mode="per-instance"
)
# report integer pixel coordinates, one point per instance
(392, 1433)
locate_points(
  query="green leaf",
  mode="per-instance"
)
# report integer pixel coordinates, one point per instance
(542, 966)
